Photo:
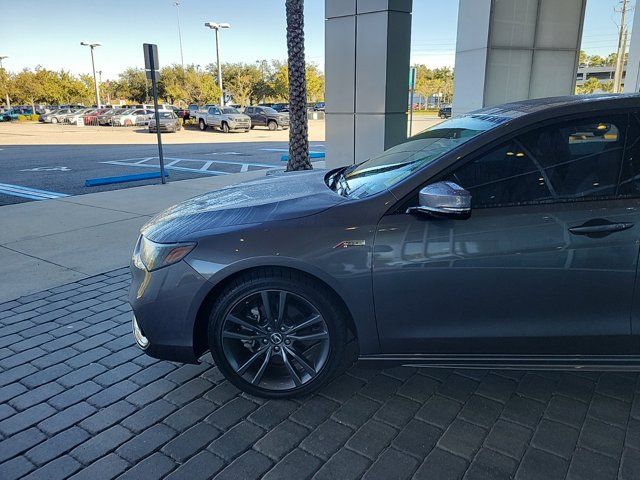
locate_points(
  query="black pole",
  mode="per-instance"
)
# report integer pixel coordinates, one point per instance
(157, 114)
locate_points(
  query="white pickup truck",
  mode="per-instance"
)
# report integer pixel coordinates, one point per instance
(226, 119)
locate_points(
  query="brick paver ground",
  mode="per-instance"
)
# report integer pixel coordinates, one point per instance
(79, 400)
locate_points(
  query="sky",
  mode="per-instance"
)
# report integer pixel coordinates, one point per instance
(48, 33)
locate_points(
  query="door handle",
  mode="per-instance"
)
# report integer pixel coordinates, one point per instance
(598, 228)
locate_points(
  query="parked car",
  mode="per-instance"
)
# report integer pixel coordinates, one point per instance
(444, 111)
(192, 109)
(9, 115)
(14, 113)
(225, 119)
(132, 117)
(169, 122)
(267, 117)
(281, 107)
(73, 117)
(507, 237)
(57, 116)
(92, 117)
(319, 107)
(106, 118)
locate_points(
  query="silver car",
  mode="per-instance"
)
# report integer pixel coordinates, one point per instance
(225, 119)
(169, 122)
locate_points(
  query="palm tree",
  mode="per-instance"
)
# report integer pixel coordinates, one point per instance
(298, 132)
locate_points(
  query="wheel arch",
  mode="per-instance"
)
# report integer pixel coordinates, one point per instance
(200, 331)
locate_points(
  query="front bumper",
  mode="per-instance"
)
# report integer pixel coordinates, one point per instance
(165, 305)
(240, 125)
(163, 128)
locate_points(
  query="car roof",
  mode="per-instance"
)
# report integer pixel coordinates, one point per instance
(565, 105)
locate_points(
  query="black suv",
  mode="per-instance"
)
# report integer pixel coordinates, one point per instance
(444, 111)
(267, 117)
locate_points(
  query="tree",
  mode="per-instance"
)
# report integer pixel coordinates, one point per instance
(591, 85)
(5, 85)
(172, 84)
(240, 80)
(298, 132)
(132, 85)
(315, 83)
(434, 81)
(201, 87)
(280, 81)
(27, 90)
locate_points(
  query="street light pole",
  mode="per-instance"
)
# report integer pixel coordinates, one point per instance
(3, 57)
(177, 5)
(217, 27)
(93, 45)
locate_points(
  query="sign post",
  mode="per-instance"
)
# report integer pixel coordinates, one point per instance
(151, 69)
(412, 84)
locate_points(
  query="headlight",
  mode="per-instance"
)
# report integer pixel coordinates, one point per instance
(152, 255)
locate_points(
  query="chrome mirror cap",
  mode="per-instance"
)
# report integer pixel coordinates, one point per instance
(445, 199)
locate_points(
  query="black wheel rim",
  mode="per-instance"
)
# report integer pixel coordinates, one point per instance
(275, 340)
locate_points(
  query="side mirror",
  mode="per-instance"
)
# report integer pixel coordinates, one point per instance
(443, 199)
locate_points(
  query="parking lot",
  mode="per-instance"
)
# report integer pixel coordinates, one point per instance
(40, 161)
(49, 161)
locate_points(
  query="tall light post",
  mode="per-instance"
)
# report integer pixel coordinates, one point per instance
(93, 45)
(4, 57)
(177, 5)
(217, 27)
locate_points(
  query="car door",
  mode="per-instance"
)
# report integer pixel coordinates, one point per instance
(262, 117)
(249, 111)
(545, 264)
(216, 119)
(211, 116)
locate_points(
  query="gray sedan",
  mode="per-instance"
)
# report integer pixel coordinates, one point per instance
(504, 238)
(169, 122)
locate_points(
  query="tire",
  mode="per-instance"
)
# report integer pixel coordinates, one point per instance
(305, 299)
(224, 126)
(252, 126)
(54, 120)
(272, 125)
(201, 125)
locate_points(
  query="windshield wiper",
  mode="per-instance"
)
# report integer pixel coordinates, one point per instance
(338, 181)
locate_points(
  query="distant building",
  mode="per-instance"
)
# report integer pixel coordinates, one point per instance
(604, 74)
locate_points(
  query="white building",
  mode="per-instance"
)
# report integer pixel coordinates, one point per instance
(506, 50)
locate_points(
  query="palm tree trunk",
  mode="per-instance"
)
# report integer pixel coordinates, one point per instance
(298, 131)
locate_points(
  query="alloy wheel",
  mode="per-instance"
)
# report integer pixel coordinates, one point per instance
(275, 340)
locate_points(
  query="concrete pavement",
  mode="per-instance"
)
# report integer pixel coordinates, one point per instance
(48, 243)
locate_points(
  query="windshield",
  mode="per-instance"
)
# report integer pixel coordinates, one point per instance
(166, 115)
(229, 110)
(269, 110)
(399, 162)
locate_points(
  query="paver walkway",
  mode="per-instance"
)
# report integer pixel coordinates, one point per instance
(79, 400)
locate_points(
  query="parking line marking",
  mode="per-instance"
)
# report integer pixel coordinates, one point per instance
(173, 167)
(27, 192)
(223, 153)
(206, 166)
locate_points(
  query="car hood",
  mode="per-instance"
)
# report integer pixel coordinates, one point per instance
(276, 197)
